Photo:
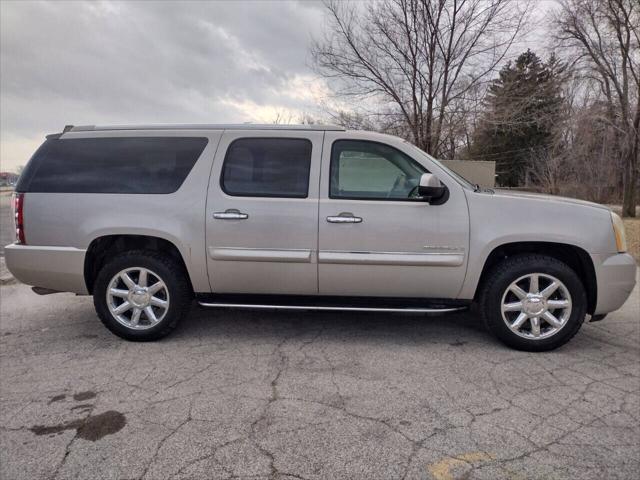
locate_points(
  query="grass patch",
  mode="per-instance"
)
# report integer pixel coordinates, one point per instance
(632, 227)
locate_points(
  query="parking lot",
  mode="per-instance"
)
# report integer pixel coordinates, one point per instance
(7, 233)
(242, 394)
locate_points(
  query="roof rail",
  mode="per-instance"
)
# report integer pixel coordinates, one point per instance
(67, 128)
(242, 126)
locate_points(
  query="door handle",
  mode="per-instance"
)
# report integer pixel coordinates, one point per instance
(344, 217)
(230, 214)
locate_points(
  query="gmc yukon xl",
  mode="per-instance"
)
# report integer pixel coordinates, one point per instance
(147, 218)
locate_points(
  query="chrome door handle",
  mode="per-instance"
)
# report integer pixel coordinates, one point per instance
(344, 217)
(230, 214)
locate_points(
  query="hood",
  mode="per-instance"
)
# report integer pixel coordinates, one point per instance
(547, 198)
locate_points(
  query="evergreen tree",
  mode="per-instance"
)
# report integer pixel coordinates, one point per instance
(523, 107)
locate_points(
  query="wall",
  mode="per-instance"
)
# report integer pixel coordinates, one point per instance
(480, 172)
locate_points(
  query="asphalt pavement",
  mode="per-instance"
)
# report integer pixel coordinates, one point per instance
(7, 233)
(304, 395)
(309, 395)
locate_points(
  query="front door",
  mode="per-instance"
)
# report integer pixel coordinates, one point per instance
(375, 236)
(262, 213)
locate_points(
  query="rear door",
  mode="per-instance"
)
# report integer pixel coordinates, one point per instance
(262, 213)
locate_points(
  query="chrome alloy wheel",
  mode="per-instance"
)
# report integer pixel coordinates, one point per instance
(536, 306)
(137, 298)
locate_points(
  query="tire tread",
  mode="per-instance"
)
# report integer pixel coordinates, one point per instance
(523, 262)
(180, 298)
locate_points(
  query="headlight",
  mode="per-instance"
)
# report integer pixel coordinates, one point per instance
(618, 231)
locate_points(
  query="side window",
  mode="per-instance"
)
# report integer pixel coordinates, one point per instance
(267, 167)
(371, 170)
(157, 165)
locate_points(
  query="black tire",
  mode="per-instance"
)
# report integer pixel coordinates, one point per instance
(509, 270)
(166, 268)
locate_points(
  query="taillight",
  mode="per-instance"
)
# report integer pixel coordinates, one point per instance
(18, 215)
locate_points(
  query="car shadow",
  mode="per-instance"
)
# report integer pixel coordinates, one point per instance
(276, 325)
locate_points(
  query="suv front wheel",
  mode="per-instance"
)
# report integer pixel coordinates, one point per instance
(142, 295)
(533, 302)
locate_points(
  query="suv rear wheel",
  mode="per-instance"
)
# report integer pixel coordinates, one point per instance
(141, 295)
(533, 302)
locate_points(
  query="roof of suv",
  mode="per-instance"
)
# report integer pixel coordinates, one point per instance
(241, 126)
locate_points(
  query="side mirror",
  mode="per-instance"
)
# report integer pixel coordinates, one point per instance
(431, 189)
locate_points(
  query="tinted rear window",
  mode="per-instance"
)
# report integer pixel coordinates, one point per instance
(267, 167)
(111, 165)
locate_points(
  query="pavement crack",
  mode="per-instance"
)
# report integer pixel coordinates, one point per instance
(164, 440)
(67, 449)
(282, 365)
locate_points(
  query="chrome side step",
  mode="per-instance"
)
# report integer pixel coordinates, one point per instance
(331, 308)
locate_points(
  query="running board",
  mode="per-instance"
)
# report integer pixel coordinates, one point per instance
(255, 306)
(332, 303)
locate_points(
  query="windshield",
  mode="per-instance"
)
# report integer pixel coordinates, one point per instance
(463, 181)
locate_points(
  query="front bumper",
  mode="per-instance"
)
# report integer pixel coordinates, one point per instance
(56, 268)
(616, 278)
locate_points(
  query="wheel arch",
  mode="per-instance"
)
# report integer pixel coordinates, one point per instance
(102, 248)
(575, 257)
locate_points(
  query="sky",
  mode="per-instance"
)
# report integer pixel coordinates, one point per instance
(146, 62)
(111, 62)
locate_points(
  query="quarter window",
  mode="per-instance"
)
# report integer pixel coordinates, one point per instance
(111, 165)
(267, 167)
(372, 171)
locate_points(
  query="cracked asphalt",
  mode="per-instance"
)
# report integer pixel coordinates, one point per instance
(304, 395)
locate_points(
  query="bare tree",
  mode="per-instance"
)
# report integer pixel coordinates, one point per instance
(417, 58)
(606, 36)
(352, 120)
(589, 150)
(550, 172)
(286, 117)
(282, 117)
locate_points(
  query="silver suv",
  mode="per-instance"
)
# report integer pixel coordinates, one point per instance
(148, 218)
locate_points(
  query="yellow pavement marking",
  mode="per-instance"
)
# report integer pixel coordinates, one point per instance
(442, 470)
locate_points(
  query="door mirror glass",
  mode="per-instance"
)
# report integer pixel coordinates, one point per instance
(430, 188)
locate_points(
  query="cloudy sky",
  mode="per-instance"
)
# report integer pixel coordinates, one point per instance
(145, 62)
(111, 62)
